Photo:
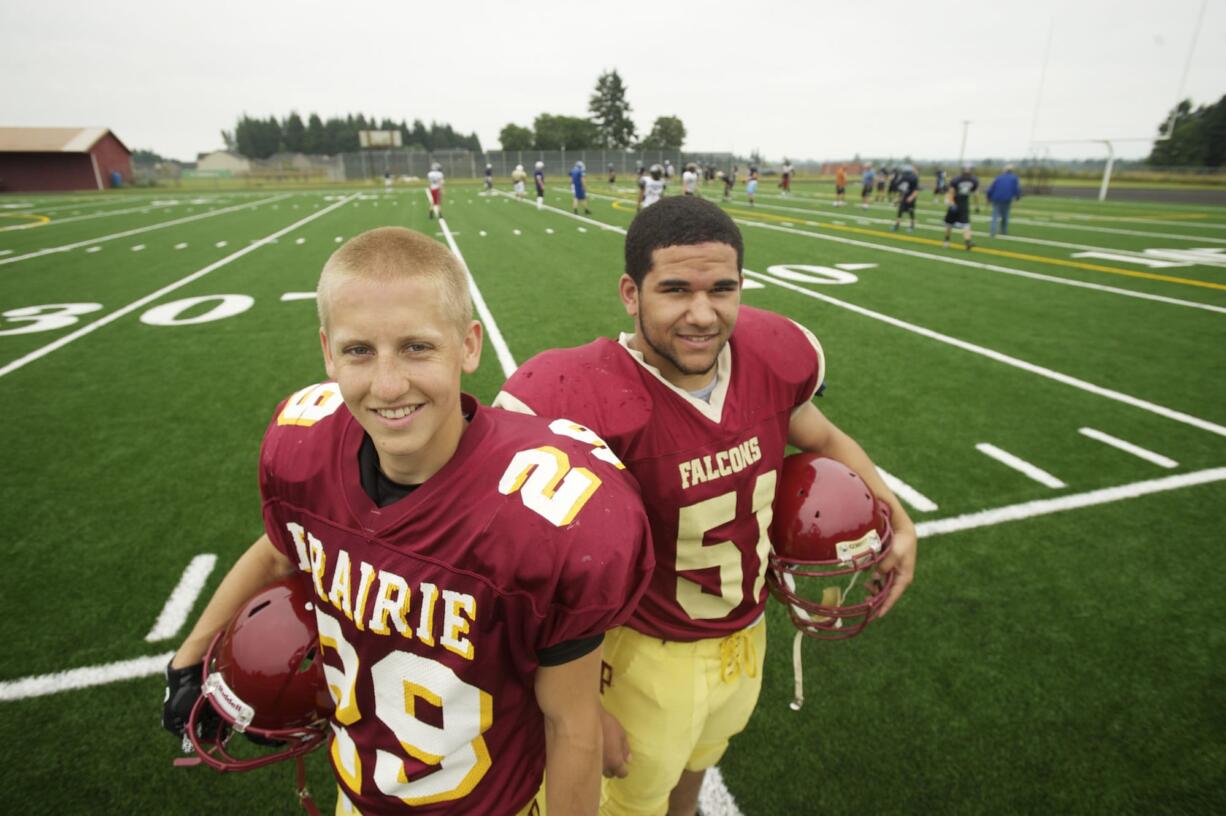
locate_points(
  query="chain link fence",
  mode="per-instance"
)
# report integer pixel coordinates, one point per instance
(374, 164)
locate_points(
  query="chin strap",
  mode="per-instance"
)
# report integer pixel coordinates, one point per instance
(304, 795)
(798, 672)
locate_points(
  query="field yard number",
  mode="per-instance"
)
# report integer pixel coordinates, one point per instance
(48, 317)
(168, 313)
(52, 316)
(803, 273)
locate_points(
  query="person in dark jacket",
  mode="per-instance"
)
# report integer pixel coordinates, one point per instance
(1002, 192)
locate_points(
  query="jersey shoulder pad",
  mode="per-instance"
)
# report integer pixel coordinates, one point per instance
(598, 385)
(311, 420)
(781, 347)
(574, 517)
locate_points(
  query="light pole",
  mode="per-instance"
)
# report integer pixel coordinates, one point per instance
(966, 123)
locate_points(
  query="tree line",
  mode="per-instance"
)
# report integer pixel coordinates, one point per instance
(1195, 138)
(260, 138)
(609, 125)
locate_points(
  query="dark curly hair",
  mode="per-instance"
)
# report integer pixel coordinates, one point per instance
(677, 221)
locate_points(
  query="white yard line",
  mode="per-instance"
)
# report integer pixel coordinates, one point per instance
(182, 598)
(1042, 507)
(1136, 450)
(1005, 270)
(136, 304)
(139, 230)
(487, 317)
(714, 799)
(1088, 387)
(85, 677)
(1118, 396)
(1013, 239)
(90, 216)
(907, 493)
(1116, 231)
(1030, 471)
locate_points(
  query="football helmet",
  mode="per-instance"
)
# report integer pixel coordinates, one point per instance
(264, 677)
(828, 529)
(436, 166)
(540, 165)
(656, 171)
(580, 165)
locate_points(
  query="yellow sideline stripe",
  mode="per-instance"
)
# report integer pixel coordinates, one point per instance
(1001, 253)
(39, 220)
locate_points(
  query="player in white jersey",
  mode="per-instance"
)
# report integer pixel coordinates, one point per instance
(435, 177)
(518, 176)
(651, 187)
(689, 180)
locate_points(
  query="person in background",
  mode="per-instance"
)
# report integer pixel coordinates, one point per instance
(518, 176)
(866, 186)
(435, 177)
(689, 180)
(1002, 192)
(840, 186)
(907, 185)
(538, 176)
(577, 187)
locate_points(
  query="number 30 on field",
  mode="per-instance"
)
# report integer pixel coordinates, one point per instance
(52, 316)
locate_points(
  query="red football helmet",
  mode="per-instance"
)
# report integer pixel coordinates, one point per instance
(827, 525)
(264, 676)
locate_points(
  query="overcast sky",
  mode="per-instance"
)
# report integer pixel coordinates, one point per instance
(797, 79)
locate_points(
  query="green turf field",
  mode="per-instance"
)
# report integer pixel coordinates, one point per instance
(1060, 652)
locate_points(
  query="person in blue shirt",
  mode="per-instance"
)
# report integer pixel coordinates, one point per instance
(576, 182)
(866, 188)
(1002, 192)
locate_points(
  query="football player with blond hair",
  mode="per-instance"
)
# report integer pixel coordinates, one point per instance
(702, 419)
(463, 562)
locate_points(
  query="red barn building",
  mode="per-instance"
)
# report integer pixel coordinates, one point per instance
(61, 159)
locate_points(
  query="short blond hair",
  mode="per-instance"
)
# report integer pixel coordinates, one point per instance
(391, 253)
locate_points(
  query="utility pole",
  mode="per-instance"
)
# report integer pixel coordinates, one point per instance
(966, 123)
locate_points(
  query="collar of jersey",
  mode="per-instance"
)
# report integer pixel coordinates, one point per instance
(713, 410)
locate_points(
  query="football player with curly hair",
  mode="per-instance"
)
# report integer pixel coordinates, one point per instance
(702, 416)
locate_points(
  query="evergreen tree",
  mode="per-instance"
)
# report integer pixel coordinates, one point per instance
(1195, 138)
(293, 132)
(314, 141)
(611, 111)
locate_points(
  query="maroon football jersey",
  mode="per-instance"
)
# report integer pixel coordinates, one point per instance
(707, 470)
(432, 609)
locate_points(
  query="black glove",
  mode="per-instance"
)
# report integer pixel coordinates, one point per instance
(182, 691)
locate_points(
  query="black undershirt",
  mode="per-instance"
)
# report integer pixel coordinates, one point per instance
(383, 491)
